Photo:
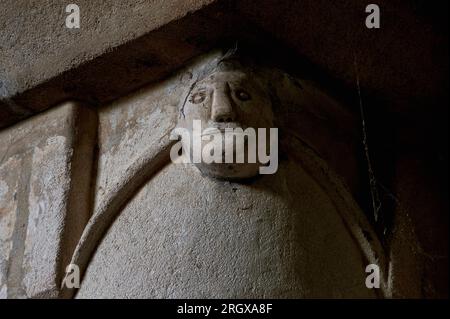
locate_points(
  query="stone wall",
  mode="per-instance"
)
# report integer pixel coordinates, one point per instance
(86, 115)
(72, 176)
(46, 171)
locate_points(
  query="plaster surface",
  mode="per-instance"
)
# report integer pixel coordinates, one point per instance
(280, 236)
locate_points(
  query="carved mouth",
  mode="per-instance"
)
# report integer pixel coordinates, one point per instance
(222, 126)
(214, 127)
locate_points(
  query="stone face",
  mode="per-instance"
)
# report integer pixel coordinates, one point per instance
(226, 100)
(43, 210)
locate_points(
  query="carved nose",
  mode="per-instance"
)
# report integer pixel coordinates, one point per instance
(222, 108)
(223, 117)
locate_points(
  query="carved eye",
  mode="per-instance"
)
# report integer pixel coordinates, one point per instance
(197, 98)
(242, 95)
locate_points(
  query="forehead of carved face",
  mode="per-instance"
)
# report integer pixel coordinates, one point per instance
(228, 99)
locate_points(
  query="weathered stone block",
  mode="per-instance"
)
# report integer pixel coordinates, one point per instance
(9, 172)
(44, 198)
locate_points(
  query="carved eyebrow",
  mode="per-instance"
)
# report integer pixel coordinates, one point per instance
(199, 89)
(240, 82)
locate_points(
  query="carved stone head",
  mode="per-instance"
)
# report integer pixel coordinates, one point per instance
(229, 96)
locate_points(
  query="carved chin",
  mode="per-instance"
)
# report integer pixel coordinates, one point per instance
(229, 171)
